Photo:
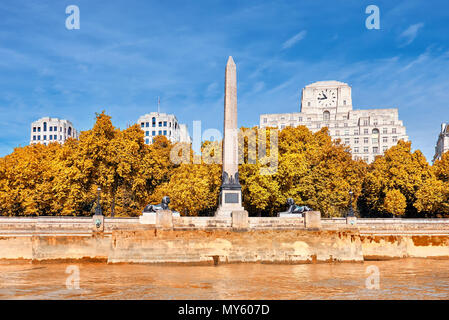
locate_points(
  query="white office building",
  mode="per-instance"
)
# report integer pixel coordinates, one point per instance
(368, 132)
(47, 130)
(161, 124)
(443, 142)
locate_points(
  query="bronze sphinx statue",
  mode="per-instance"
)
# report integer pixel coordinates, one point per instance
(293, 208)
(156, 207)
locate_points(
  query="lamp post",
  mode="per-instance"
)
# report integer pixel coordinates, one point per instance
(351, 211)
(98, 211)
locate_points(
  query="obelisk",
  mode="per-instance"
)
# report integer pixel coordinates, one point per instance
(230, 191)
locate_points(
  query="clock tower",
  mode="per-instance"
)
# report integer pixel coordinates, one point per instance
(326, 96)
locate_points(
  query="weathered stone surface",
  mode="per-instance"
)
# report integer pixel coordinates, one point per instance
(351, 221)
(98, 223)
(240, 220)
(164, 219)
(200, 246)
(312, 219)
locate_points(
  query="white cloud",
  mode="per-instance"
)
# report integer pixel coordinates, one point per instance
(293, 40)
(410, 33)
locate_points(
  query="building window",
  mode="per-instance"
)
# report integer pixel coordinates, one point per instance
(38, 137)
(347, 141)
(34, 129)
(153, 133)
(356, 140)
(165, 123)
(70, 132)
(147, 133)
(375, 122)
(344, 102)
(300, 119)
(365, 122)
(385, 139)
(55, 137)
(142, 124)
(326, 115)
(366, 159)
(346, 132)
(365, 140)
(346, 124)
(160, 132)
(337, 132)
(356, 150)
(365, 149)
(318, 125)
(160, 123)
(153, 121)
(60, 138)
(385, 148)
(165, 132)
(45, 126)
(393, 130)
(365, 131)
(45, 137)
(375, 150)
(55, 128)
(395, 139)
(39, 129)
(147, 141)
(356, 132)
(169, 133)
(385, 131)
(51, 129)
(50, 137)
(282, 126)
(34, 138)
(147, 124)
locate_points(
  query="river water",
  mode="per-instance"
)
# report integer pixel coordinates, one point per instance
(397, 279)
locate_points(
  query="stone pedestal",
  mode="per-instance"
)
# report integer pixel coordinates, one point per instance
(148, 218)
(351, 221)
(98, 223)
(164, 219)
(289, 215)
(240, 220)
(312, 220)
(229, 201)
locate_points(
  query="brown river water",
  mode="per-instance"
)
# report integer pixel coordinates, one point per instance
(398, 279)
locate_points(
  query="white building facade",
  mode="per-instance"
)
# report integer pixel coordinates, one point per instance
(329, 104)
(443, 142)
(47, 130)
(161, 124)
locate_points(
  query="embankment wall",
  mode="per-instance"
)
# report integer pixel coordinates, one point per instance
(210, 240)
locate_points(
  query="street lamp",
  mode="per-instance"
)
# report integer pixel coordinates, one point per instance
(98, 211)
(351, 211)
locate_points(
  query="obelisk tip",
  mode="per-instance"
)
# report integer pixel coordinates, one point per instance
(231, 61)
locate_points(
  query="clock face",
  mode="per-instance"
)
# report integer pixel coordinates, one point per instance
(327, 98)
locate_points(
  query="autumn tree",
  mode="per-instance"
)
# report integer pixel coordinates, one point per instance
(398, 169)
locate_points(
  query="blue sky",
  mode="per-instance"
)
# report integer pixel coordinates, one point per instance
(127, 53)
